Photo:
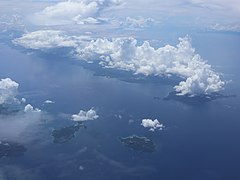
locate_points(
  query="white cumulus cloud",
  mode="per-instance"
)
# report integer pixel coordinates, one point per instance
(152, 124)
(74, 11)
(23, 100)
(29, 108)
(126, 54)
(8, 90)
(91, 114)
(139, 22)
(45, 39)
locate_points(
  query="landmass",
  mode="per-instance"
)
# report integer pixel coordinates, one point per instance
(138, 143)
(195, 99)
(66, 133)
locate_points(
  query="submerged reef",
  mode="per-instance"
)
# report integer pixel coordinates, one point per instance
(138, 143)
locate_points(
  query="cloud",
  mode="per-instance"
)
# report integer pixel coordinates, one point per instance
(152, 124)
(85, 115)
(203, 81)
(126, 54)
(186, 13)
(23, 100)
(218, 5)
(21, 126)
(45, 39)
(29, 109)
(49, 102)
(12, 21)
(19, 123)
(136, 23)
(75, 11)
(8, 90)
(224, 27)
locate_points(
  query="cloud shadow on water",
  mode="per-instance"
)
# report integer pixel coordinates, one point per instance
(63, 55)
(129, 76)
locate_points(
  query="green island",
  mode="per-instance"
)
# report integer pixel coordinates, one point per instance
(66, 133)
(138, 143)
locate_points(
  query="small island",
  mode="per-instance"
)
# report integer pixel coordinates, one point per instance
(195, 99)
(138, 143)
(11, 149)
(66, 133)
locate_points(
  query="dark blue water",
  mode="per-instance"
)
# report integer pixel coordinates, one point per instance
(199, 141)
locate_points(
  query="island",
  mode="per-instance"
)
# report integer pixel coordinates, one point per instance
(196, 99)
(66, 133)
(138, 143)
